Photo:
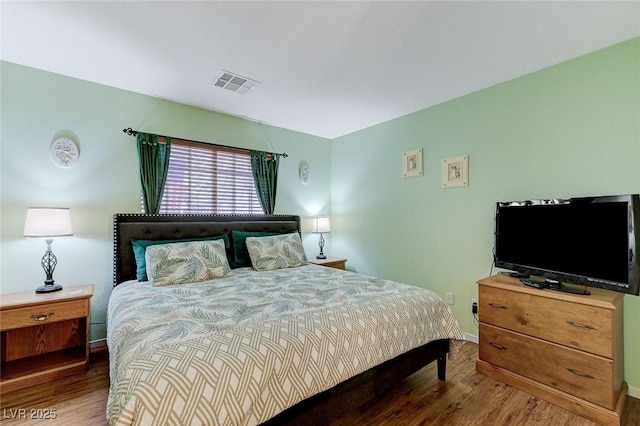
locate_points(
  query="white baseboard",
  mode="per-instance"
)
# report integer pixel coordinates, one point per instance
(97, 343)
(471, 338)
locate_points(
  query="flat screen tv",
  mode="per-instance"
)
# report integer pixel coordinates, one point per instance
(587, 241)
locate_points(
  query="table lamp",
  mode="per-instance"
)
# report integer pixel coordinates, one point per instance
(48, 222)
(321, 225)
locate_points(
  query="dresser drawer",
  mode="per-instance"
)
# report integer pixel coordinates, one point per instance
(580, 326)
(44, 313)
(584, 375)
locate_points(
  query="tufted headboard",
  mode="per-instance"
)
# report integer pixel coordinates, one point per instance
(128, 226)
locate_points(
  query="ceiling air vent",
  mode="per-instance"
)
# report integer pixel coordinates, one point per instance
(234, 82)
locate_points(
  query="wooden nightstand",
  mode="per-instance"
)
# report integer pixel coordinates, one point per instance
(43, 336)
(331, 262)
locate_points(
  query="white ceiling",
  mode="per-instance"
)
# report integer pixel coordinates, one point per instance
(326, 68)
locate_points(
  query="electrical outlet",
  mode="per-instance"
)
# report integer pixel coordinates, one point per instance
(449, 298)
(474, 306)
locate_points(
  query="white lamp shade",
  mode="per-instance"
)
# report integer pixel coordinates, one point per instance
(321, 224)
(47, 222)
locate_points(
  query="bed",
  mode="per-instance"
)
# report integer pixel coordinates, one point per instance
(270, 339)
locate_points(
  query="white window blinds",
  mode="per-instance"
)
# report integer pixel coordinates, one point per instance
(207, 179)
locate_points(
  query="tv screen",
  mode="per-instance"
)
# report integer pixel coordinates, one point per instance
(590, 241)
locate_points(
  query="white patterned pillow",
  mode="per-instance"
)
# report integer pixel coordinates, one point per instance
(188, 262)
(276, 252)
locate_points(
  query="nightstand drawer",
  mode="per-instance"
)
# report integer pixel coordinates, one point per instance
(584, 327)
(42, 314)
(584, 375)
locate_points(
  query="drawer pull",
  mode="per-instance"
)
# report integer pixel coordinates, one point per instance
(498, 306)
(42, 316)
(581, 374)
(577, 324)
(496, 345)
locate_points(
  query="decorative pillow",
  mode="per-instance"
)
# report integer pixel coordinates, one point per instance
(187, 262)
(276, 252)
(240, 254)
(140, 248)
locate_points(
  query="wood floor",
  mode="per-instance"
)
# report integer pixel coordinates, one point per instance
(465, 398)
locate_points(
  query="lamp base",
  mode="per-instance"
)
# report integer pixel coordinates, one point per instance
(321, 244)
(48, 288)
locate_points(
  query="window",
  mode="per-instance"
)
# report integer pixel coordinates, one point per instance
(205, 178)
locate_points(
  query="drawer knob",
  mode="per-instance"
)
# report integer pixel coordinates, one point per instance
(498, 346)
(496, 305)
(580, 325)
(41, 316)
(581, 374)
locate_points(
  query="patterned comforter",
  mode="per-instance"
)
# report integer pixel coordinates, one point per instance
(239, 350)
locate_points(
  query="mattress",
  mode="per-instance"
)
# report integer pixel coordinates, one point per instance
(239, 350)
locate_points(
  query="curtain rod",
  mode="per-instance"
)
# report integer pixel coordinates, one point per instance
(129, 131)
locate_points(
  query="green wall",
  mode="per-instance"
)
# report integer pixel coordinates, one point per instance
(37, 106)
(568, 130)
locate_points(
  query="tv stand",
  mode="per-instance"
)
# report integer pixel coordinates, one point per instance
(564, 348)
(519, 275)
(555, 285)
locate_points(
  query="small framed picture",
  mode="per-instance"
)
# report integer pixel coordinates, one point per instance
(455, 172)
(412, 163)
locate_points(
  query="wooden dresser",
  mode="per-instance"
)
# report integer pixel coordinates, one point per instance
(43, 336)
(564, 348)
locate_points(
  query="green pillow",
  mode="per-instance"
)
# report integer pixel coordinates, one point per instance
(140, 247)
(240, 253)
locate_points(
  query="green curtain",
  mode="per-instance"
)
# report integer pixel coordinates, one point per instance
(154, 163)
(264, 166)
